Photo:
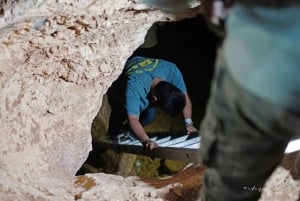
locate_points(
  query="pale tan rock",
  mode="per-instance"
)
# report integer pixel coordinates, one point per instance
(57, 59)
(116, 188)
(281, 186)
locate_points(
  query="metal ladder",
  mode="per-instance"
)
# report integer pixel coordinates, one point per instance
(179, 146)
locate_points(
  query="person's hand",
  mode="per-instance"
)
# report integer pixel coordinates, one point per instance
(149, 144)
(190, 129)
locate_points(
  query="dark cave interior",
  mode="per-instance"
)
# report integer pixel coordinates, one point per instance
(191, 45)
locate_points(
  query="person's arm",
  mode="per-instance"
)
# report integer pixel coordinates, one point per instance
(187, 114)
(138, 129)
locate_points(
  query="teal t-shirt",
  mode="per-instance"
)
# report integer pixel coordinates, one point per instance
(140, 73)
(262, 52)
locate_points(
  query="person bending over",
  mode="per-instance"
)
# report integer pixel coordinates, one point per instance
(144, 84)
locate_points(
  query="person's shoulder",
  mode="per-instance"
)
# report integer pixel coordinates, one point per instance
(135, 58)
(168, 64)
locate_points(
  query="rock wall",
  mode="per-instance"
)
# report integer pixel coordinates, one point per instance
(57, 59)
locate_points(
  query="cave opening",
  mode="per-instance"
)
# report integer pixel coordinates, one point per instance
(191, 45)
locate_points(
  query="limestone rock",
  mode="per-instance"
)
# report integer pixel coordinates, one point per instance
(57, 59)
(281, 186)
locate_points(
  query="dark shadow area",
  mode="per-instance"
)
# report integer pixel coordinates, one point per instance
(191, 45)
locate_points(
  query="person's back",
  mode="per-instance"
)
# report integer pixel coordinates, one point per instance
(267, 61)
(140, 73)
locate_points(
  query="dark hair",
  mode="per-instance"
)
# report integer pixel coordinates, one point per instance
(169, 98)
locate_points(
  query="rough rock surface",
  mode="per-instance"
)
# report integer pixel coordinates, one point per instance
(57, 59)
